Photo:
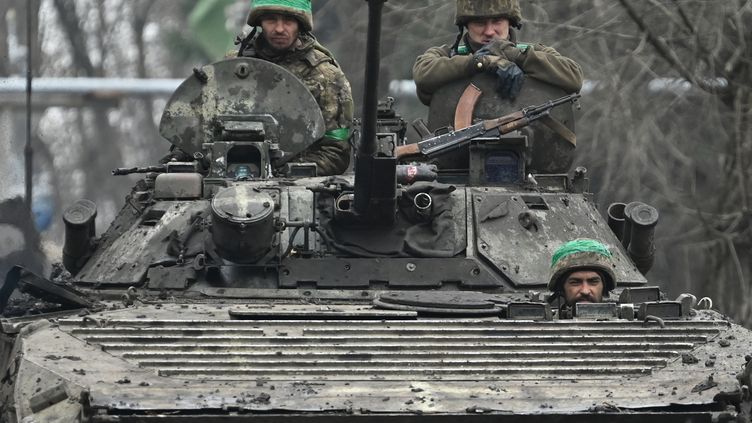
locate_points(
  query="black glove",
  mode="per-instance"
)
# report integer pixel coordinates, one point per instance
(509, 79)
(509, 76)
(484, 61)
(503, 48)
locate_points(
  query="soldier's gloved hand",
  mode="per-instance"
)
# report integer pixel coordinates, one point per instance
(503, 48)
(509, 80)
(483, 61)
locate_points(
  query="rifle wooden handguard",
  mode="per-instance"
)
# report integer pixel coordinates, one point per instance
(406, 150)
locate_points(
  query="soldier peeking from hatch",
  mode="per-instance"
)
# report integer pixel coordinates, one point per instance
(286, 40)
(490, 45)
(581, 272)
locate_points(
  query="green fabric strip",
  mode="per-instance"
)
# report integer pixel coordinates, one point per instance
(463, 50)
(304, 5)
(339, 134)
(207, 22)
(579, 246)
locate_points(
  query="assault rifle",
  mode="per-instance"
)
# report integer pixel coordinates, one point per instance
(505, 124)
(170, 167)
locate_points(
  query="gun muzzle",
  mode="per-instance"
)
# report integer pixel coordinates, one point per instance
(641, 248)
(80, 230)
(616, 219)
(423, 205)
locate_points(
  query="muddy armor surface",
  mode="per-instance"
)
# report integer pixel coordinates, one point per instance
(190, 117)
(225, 291)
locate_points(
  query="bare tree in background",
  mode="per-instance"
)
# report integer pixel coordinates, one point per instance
(709, 44)
(106, 39)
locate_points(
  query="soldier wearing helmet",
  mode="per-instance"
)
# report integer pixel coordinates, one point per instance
(490, 45)
(581, 271)
(286, 40)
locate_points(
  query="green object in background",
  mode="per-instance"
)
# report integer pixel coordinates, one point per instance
(208, 23)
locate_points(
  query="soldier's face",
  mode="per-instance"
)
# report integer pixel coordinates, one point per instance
(280, 31)
(483, 31)
(583, 286)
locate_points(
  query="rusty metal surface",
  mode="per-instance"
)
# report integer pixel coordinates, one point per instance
(264, 89)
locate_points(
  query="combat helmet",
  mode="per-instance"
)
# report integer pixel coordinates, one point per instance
(582, 254)
(299, 9)
(468, 10)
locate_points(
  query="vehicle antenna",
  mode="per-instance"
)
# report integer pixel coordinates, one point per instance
(28, 150)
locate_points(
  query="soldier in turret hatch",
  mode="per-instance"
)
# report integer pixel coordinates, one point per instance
(491, 45)
(286, 40)
(581, 272)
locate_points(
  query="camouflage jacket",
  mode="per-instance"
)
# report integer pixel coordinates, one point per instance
(318, 70)
(437, 67)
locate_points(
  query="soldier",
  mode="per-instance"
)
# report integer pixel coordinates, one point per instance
(581, 271)
(490, 45)
(286, 40)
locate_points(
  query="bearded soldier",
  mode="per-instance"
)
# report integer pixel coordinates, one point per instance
(286, 40)
(491, 45)
(582, 271)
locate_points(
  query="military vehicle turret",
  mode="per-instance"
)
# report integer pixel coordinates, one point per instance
(226, 291)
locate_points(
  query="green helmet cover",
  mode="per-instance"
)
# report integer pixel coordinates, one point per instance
(582, 254)
(468, 10)
(299, 9)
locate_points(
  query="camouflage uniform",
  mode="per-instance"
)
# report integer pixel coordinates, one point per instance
(320, 73)
(316, 68)
(441, 65)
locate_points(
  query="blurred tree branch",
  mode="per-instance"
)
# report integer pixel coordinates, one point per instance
(4, 59)
(70, 22)
(666, 52)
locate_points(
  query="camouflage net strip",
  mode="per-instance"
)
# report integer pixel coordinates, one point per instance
(304, 5)
(579, 246)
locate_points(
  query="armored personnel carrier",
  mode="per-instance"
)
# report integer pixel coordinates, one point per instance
(227, 291)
